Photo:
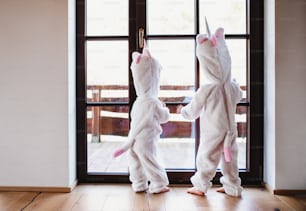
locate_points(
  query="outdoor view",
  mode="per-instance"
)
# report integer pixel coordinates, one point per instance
(107, 75)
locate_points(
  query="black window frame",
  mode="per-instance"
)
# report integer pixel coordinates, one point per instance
(251, 176)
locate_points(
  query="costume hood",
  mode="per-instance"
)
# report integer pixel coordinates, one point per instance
(146, 73)
(214, 57)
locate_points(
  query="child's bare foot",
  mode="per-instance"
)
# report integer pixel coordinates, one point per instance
(220, 190)
(195, 191)
(165, 189)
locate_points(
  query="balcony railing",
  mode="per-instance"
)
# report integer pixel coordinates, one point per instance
(114, 120)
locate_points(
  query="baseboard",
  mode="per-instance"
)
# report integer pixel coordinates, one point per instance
(289, 192)
(286, 192)
(269, 188)
(39, 189)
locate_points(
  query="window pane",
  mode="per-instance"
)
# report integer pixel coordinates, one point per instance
(237, 49)
(242, 137)
(107, 17)
(107, 70)
(178, 74)
(107, 129)
(177, 143)
(229, 14)
(170, 17)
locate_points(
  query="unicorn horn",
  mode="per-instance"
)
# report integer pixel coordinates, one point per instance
(207, 27)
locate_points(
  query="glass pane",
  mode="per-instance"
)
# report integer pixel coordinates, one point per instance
(229, 14)
(242, 137)
(107, 17)
(107, 71)
(107, 129)
(178, 73)
(237, 49)
(177, 142)
(170, 17)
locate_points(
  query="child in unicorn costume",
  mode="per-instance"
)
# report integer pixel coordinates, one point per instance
(148, 112)
(215, 103)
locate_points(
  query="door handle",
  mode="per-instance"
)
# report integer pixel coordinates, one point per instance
(141, 37)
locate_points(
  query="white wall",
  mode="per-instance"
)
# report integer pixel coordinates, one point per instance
(71, 90)
(269, 94)
(287, 76)
(37, 111)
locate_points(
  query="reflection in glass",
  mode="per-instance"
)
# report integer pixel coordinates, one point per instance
(177, 58)
(170, 17)
(102, 18)
(229, 14)
(107, 70)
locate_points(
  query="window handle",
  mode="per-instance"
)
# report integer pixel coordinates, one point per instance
(141, 37)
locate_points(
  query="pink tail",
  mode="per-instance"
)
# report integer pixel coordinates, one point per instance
(227, 154)
(118, 152)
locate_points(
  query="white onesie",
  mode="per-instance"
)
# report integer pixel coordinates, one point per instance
(148, 112)
(215, 103)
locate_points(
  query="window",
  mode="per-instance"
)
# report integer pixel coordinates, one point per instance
(105, 91)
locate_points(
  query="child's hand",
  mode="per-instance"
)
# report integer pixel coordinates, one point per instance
(179, 108)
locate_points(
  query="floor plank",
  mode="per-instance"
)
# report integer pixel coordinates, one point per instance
(296, 202)
(120, 197)
(15, 200)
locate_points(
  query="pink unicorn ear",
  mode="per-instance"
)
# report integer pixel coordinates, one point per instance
(201, 38)
(136, 57)
(219, 33)
(213, 40)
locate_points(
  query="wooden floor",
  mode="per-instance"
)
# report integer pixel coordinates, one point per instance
(120, 197)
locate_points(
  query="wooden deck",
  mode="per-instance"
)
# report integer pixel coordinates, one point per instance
(114, 120)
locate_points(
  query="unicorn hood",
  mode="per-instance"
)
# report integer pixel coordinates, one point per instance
(146, 74)
(214, 57)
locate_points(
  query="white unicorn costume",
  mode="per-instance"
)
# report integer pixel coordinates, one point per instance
(148, 112)
(215, 102)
